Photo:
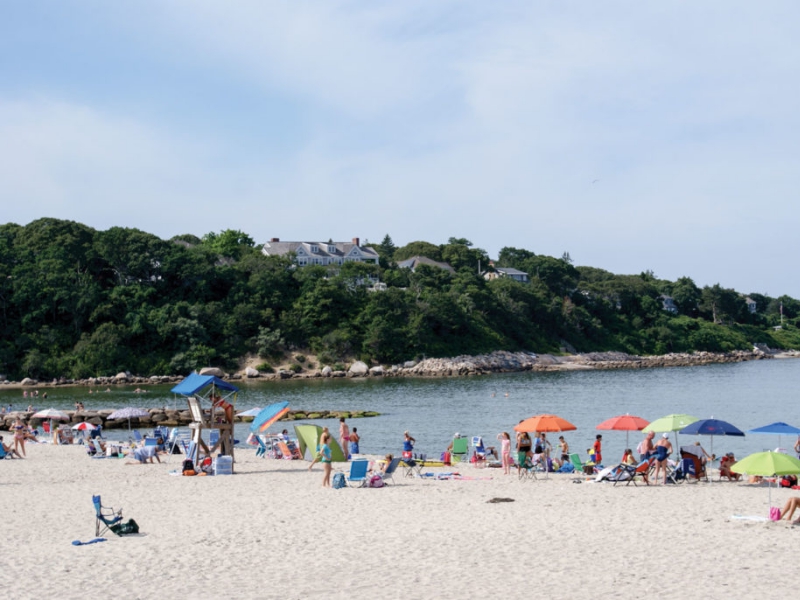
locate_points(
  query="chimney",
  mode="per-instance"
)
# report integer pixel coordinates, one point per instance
(355, 241)
(275, 239)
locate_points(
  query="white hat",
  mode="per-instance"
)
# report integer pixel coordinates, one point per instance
(665, 435)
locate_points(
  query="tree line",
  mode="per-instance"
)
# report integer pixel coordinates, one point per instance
(78, 302)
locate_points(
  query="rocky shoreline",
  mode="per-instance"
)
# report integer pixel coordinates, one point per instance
(459, 366)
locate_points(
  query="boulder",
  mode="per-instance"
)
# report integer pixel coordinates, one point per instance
(212, 371)
(251, 372)
(358, 368)
(409, 364)
(326, 371)
(376, 371)
(28, 381)
(121, 377)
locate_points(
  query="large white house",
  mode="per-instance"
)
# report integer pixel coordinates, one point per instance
(321, 253)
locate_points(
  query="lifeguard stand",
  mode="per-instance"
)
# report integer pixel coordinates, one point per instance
(201, 391)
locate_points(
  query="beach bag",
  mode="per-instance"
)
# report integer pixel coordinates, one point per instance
(128, 528)
(338, 481)
(774, 513)
(188, 465)
(376, 481)
(446, 458)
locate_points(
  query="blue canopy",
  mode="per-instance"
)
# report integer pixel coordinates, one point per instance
(194, 382)
(712, 427)
(778, 428)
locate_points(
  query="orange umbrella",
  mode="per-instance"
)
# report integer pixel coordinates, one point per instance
(624, 423)
(546, 423)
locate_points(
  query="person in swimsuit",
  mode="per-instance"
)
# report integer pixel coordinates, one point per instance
(645, 447)
(663, 450)
(505, 451)
(523, 448)
(344, 435)
(354, 439)
(628, 459)
(408, 445)
(792, 504)
(797, 446)
(325, 459)
(563, 446)
(19, 436)
(598, 449)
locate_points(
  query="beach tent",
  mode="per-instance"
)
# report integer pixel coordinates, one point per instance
(308, 439)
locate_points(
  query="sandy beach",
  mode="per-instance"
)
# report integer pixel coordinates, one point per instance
(272, 531)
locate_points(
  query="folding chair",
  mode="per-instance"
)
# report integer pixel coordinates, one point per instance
(389, 472)
(413, 466)
(460, 450)
(575, 461)
(527, 470)
(358, 473)
(106, 518)
(137, 436)
(641, 470)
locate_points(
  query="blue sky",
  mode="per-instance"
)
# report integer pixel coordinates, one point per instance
(634, 135)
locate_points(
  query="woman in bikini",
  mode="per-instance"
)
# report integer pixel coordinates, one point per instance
(344, 436)
(19, 436)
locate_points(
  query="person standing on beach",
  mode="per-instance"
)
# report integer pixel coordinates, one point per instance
(645, 447)
(408, 445)
(344, 436)
(597, 447)
(19, 436)
(354, 439)
(563, 447)
(324, 456)
(523, 448)
(505, 451)
(797, 446)
(663, 450)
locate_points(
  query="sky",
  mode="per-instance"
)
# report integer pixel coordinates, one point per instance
(634, 135)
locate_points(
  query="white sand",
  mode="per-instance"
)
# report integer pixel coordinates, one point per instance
(271, 531)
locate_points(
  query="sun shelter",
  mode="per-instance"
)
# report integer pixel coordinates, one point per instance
(308, 440)
(211, 401)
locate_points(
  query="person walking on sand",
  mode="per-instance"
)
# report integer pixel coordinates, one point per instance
(505, 451)
(663, 450)
(324, 455)
(344, 436)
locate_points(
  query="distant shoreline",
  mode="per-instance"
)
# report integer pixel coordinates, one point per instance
(495, 362)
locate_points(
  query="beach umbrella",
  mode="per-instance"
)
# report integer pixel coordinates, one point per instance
(626, 423)
(84, 426)
(767, 464)
(128, 413)
(267, 416)
(778, 428)
(546, 423)
(51, 414)
(712, 427)
(253, 412)
(670, 423)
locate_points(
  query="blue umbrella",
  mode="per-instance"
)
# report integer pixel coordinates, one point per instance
(779, 428)
(712, 427)
(268, 416)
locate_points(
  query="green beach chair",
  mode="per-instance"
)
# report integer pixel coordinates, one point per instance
(575, 461)
(460, 451)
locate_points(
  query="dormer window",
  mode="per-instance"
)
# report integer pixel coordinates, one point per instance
(331, 249)
(315, 249)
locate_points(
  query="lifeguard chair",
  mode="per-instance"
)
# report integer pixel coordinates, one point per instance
(211, 401)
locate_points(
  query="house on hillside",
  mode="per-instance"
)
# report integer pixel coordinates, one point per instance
(752, 307)
(668, 304)
(413, 262)
(514, 274)
(321, 253)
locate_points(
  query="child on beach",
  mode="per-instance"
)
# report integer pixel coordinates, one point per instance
(505, 451)
(563, 447)
(598, 449)
(354, 439)
(325, 458)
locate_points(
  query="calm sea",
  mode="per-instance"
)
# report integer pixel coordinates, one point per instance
(748, 395)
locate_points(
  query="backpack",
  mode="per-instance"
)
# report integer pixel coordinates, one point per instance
(376, 481)
(188, 465)
(338, 481)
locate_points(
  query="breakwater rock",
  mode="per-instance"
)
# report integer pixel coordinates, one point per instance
(165, 417)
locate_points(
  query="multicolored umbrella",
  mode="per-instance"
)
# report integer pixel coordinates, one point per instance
(84, 426)
(767, 464)
(670, 423)
(268, 416)
(52, 414)
(129, 413)
(546, 423)
(626, 423)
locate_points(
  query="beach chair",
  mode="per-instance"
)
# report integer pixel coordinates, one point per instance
(527, 470)
(389, 472)
(460, 451)
(358, 473)
(694, 466)
(262, 449)
(106, 518)
(137, 437)
(287, 452)
(586, 468)
(641, 470)
(65, 435)
(413, 466)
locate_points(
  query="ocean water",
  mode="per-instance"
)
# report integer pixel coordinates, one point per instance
(748, 395)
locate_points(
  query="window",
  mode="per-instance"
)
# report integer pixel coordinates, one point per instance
(314, 249)
(331, 249)
(302, 262)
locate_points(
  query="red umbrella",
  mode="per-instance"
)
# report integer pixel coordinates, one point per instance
(624, 423)
(546, 423)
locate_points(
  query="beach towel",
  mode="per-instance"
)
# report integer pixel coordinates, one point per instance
(94, 541)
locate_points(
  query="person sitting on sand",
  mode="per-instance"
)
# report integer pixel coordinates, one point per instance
(792, 504)
(663, 450)
(725, 467)
(8, 450)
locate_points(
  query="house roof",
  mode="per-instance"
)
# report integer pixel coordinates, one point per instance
(336, 250)
(510, 271)
(413, 262)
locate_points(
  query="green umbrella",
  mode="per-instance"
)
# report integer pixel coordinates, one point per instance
(767, 464)
(670, 423)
